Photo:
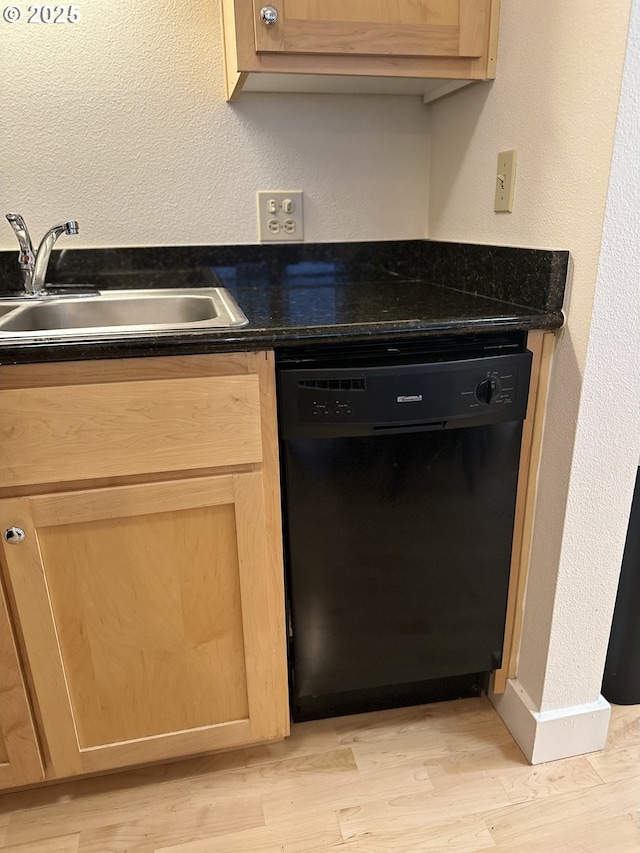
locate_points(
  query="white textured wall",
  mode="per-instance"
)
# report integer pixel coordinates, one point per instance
(555, 100)
(120, 122)
(607, 444)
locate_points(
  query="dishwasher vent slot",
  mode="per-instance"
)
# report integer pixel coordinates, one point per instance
(334, 384)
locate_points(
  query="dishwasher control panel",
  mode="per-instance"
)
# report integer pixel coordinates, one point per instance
(437, 393)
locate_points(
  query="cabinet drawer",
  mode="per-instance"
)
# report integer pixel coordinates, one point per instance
(78, 432)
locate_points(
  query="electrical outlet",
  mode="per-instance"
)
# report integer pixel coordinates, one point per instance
(505, 181)
(280, 215)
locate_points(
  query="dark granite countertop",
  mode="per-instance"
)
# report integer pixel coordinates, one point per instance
(299, 294)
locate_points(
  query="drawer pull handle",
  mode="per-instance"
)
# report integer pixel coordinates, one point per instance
(268, 15)
(14, 535)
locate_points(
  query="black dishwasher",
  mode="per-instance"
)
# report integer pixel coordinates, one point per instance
(399, 473)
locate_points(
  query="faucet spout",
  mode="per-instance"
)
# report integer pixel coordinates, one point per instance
(44, 252)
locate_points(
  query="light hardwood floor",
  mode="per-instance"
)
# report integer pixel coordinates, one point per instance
(444, 777)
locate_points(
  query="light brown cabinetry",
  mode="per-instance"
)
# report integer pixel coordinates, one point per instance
(20, 761)
(372, 43)
(148, 586)
(541, 346)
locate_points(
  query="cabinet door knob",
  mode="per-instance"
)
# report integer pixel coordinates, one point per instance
(14, 535)
(268, 15)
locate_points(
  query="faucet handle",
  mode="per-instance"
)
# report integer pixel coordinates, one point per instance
(16, 217)
(27, 256)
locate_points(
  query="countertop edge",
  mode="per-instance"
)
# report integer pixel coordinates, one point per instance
(261, 339)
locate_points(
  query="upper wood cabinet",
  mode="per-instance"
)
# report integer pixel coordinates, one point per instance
(428, 46)
(145, 578)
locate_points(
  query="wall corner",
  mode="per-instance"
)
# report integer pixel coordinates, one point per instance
(550, 735)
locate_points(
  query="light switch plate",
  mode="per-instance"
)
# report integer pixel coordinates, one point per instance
(280, 216)
(505, 181)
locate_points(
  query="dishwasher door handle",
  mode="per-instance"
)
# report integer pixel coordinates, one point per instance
(394, 429)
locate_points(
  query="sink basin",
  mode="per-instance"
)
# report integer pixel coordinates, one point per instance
(120, 312)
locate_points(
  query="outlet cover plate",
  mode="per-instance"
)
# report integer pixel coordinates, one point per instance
(280, 216)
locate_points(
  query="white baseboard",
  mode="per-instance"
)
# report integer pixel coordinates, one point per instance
(549, 735)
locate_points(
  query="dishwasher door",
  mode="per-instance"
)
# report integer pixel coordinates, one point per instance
(399, 489)
(398, 556)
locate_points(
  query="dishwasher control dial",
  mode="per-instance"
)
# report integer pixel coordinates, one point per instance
(488, 389)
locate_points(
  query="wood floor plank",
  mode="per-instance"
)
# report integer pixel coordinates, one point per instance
(95, 803)
(418, 720)
(183, 825)
(471, 726)
(300, 836)
(306, 739)
(491, 759)
(61, 844)
(34, 798)
(423, 808)
(614, 765)
(624, 727)
(614, 835)
(464, 835)
(337, 794)
(322, 768)
(202, 765)
(551, 820)
(545, 780)
(384, 726)
(446, 768)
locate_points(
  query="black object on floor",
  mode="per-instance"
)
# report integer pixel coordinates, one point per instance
(621, 684)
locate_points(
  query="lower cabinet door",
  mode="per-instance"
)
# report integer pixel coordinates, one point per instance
(152, 618)
(20, 761)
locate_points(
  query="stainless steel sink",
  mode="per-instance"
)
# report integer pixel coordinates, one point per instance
(119, 313)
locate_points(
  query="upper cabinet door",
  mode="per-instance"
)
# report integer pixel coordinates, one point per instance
(426, 47)
(410, 28)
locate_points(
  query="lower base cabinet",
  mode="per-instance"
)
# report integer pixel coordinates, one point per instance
(151, 619)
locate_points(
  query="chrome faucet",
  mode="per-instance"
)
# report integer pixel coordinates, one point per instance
(34, 265)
